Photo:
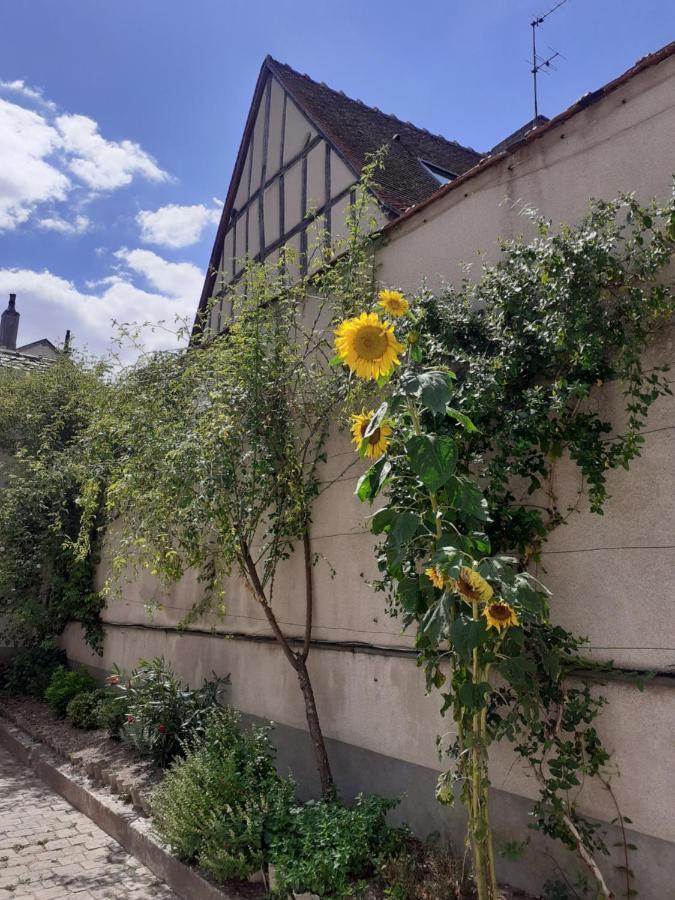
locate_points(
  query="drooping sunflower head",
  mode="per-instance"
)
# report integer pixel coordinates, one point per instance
(435, 576)
(368, 346)
(378, 441)
(472, 587)
(393, 302)
(500, 615)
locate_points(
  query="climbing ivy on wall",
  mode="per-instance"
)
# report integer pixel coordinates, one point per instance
(44, 582)
(532, 340)
(481, 388)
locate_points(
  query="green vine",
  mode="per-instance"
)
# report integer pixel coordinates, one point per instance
(518, 353)
(44, 581)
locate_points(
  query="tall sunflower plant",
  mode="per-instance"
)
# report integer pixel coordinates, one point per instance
(470, 608)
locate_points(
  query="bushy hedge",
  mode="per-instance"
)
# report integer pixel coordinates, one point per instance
(323, 847)
(214, 806)
(64, 685)
(82, 710)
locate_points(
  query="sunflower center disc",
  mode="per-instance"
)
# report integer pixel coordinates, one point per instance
(370, 342)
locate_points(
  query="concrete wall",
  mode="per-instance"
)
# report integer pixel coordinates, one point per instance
(613, 577)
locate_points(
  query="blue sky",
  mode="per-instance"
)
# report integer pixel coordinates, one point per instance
(120, 121)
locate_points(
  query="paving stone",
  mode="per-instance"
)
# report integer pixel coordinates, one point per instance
(49, 850)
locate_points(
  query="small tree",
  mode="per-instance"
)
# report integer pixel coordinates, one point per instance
(214, 450)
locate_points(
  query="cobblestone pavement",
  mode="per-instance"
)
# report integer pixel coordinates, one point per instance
(49, 850)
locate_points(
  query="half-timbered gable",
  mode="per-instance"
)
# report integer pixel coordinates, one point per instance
(301, 154)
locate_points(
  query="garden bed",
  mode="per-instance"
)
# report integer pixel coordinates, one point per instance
(116, 766)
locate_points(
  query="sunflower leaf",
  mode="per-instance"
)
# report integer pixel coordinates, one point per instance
(433, 458)
(371, 482)
(432, 388)
(376, 420)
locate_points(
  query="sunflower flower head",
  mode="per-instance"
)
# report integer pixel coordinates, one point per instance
(368, 346)
(393, 302)
(378, 441)
(435, 576)
(500, 615)
(472, 587)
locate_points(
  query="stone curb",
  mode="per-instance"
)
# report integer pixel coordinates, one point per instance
(128, 828)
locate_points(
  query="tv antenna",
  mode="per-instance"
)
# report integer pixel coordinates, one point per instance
(540, 63)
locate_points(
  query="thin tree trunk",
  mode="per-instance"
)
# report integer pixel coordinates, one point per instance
(298, 659)
(315, 733)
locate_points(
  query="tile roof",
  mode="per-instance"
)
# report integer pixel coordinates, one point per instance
(357, 130)
(519, 134)
(22, 362)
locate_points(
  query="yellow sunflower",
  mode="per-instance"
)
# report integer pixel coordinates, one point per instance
(500, 615)
(435, 577)
(377, 441)
(393, 302)
(472, 586)
(368, 345)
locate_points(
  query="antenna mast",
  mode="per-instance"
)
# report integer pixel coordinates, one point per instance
(538, 63)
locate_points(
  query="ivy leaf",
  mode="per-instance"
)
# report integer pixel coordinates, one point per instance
(371, 482)
(433, 458)
(432, 388)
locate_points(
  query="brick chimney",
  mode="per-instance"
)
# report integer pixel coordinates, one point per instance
(9, 325)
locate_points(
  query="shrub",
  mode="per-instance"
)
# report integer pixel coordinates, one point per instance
(324, 846)
(161, 712)
(30, 670)
(82, 710)
(64, 685)
(111, 714)
(214, 807)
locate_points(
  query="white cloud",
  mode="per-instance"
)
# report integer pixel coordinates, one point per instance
(173, 279)
(101, 164)
(173, 291)
(41, 151)
(79, 225)
(176, 226)
(29, 93)
(26, 177)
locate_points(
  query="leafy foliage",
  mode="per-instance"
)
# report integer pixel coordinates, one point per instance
(528, 342)
(44, 582)
(161, 713)
(209, 456)
(532, 340)
(64, 685)
(30, 670)
(111, 714)
(323, 846)
(82, 710)
(214, 806)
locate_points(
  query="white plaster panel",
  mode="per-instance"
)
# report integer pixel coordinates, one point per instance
(316, 177)
(274, 140)
(299, 131)
(292, 193)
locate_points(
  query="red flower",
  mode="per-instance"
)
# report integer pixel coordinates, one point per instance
(131, 719)
(113, 679)
(161, 729)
